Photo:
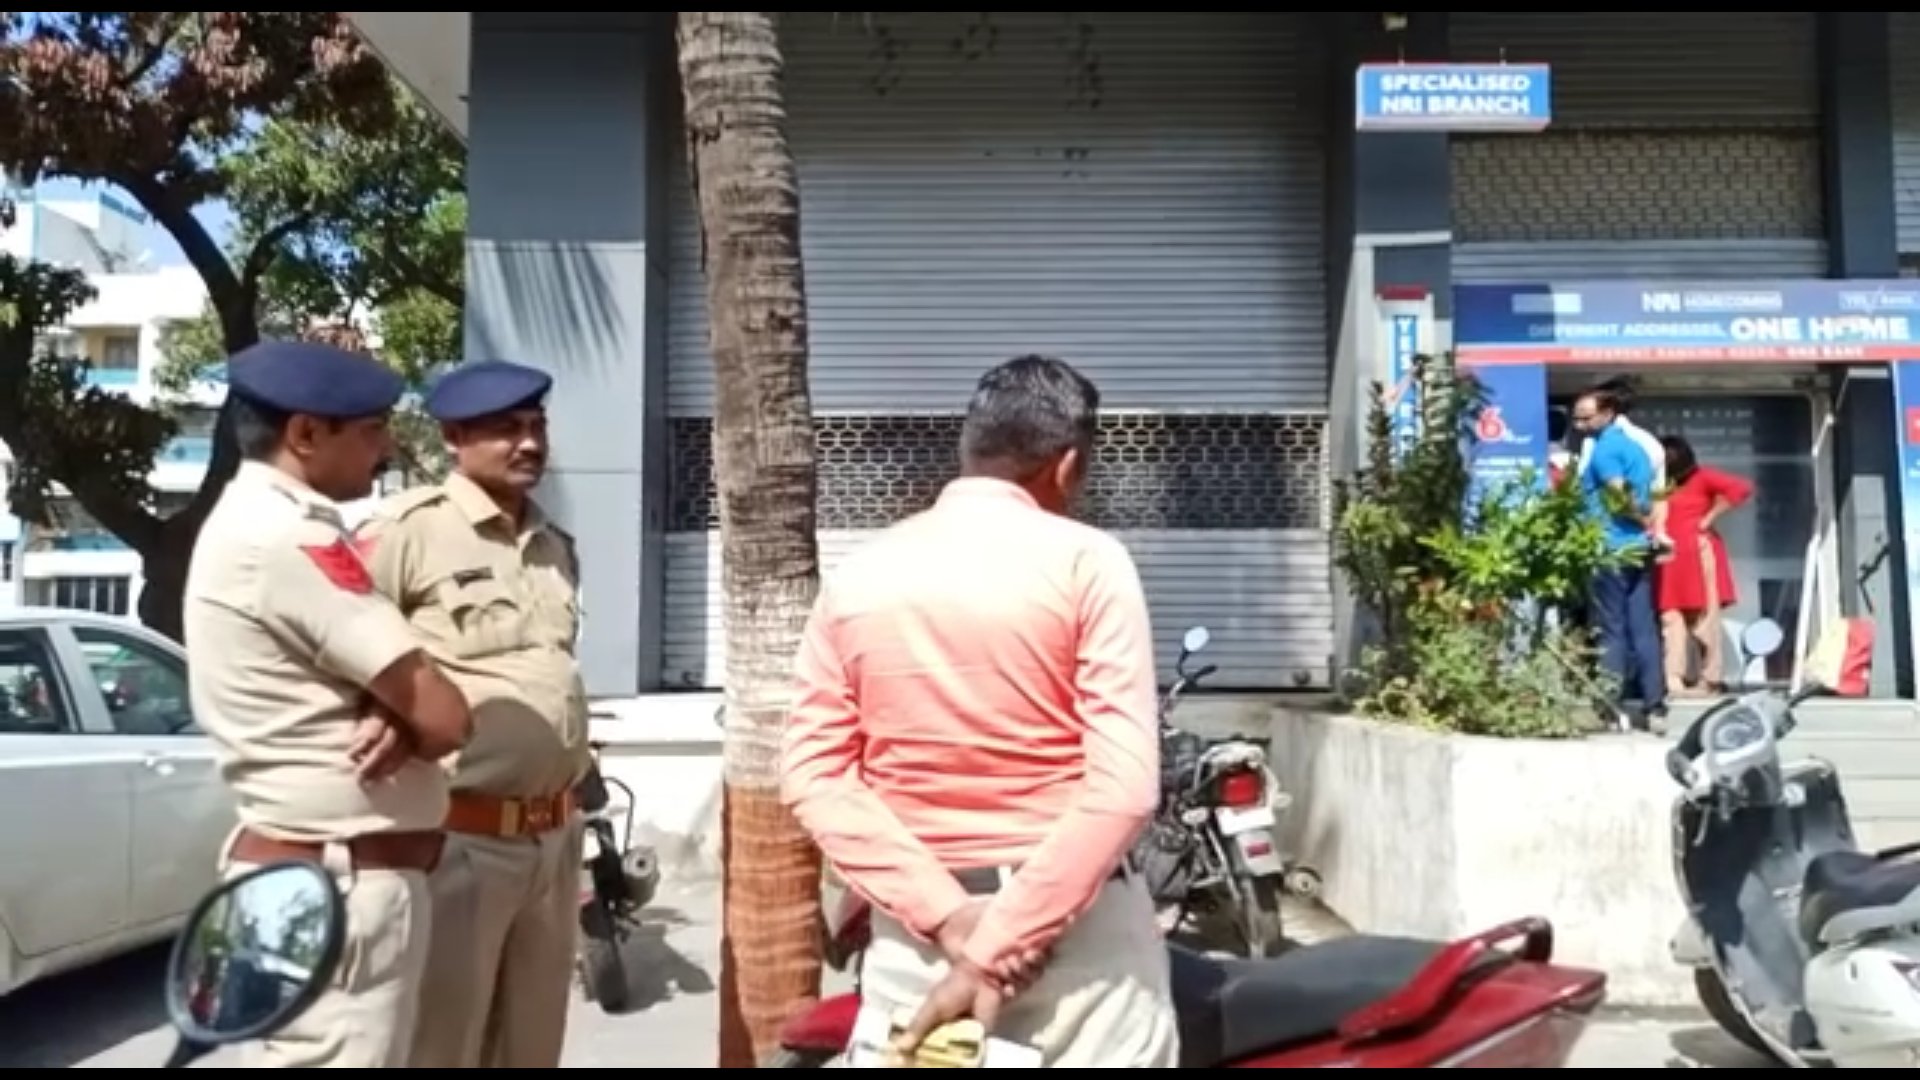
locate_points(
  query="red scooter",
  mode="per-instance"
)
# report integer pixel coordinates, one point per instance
(1362, 1002)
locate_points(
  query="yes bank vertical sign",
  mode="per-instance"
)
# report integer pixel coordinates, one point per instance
(1453, 97)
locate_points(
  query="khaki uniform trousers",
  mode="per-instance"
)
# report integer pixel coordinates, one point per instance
(1104, 1001)
(499, 977)
(365, 1019)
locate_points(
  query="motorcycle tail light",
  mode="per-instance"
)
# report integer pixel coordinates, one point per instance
(1242, 789)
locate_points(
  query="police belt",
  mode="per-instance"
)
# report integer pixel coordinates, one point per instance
(478, 814)
(370, 851)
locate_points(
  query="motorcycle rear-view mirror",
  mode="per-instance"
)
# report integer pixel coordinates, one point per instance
(1193, 641)
(255, 954)
(1762, 637)
(1197, 638)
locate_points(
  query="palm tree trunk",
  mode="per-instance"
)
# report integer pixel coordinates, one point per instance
(763, 449)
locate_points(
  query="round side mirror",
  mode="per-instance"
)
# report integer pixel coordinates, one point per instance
(1762, 637)
(1196, 639)
(255, 954)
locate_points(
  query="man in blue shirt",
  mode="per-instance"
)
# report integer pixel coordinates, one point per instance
(1618, 483)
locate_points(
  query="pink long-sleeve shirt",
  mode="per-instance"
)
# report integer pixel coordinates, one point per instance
(976, 689)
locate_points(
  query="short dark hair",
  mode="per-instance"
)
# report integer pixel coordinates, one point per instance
(257, 428)
(1620, 388)
(1604, 400)
(1025, 413)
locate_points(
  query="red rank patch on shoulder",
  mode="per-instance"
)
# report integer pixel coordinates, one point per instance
(340, 564)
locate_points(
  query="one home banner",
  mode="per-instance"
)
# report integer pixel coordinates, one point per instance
(1800, 322)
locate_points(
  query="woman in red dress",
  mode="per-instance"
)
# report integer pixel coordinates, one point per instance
(1696, 582)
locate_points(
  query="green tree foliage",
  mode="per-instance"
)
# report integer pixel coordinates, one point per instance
(1461, 583)
(346, 201)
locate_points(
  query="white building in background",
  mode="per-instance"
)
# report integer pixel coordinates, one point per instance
(77, 563)
(102, 234)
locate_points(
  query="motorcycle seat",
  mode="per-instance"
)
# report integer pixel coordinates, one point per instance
(1850, 893)
(1233, 1008)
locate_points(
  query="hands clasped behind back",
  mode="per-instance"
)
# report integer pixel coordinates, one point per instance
(967, 990)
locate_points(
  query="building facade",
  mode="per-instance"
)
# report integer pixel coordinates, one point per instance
(74, 562)
(1180, 204)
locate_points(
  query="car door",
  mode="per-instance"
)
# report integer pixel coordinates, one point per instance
(66, 807)
(182, 812)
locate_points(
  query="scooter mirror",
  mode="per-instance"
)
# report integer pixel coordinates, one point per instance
(1196, 639)
(255, 954)
(1762, 637)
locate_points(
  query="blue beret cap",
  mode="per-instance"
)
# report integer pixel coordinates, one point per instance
(319, 380)
(483, 388)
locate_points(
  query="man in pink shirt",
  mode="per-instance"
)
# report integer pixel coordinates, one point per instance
(974, 746)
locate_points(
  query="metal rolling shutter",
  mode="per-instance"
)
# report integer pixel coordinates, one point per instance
(1168, 238)
(1141, 193)
(1669, 260)
(1904, 27)
(1263, 636)
(1663, 69)
(1684, 144)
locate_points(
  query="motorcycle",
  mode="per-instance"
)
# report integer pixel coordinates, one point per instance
(620, 880)
(1212, 847)
(1491, 1001)
(1804, 947)
(254, 955)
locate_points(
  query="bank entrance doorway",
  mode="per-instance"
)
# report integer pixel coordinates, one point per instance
(1761, 431)
(1742, 371)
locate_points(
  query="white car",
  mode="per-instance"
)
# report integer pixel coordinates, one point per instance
(112, 812)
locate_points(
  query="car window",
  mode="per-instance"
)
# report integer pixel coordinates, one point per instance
(145, 687)
(32, 701)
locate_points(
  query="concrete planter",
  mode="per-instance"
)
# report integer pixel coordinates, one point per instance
(1431, 834)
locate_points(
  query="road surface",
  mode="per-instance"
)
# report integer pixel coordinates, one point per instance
(110, 1017)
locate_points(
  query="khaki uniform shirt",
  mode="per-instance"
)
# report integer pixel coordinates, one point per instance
(284, 633)
(499, 609)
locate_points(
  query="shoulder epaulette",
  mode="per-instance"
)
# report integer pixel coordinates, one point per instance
(567, 541)
(399, 506)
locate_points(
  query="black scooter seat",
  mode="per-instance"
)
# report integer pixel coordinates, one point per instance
(1233, 1008)
(1855, 883)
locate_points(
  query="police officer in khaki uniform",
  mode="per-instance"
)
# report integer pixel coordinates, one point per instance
(327, 715)
(490, 587)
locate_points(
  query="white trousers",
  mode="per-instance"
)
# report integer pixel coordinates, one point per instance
(1103, 1002)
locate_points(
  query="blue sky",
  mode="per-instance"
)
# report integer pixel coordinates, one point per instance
(216, 216)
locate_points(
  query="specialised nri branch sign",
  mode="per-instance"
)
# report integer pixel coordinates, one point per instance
(1453, 97)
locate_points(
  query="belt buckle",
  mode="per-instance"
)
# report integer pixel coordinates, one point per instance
(538, 814)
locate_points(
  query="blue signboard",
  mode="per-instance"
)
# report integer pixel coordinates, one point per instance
(1453, 97)
(1510, 434)
(1719, 322)
(1403, 397)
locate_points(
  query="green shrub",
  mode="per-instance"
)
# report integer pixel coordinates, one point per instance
(1462, 594)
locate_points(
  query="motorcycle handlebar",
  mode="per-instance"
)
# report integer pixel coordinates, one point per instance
(1680, 758)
